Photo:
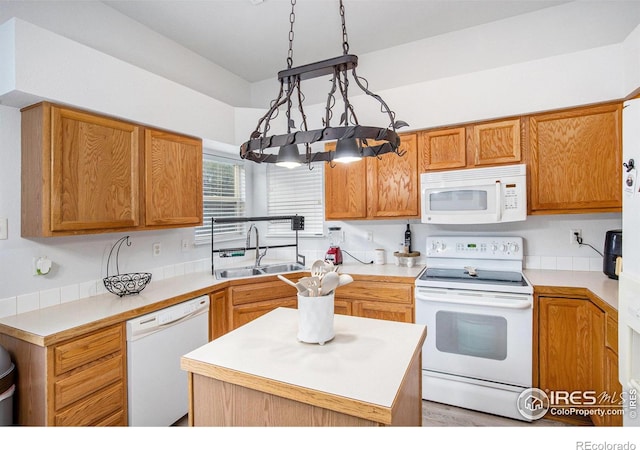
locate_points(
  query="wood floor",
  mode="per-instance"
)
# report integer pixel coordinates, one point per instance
(439, 415)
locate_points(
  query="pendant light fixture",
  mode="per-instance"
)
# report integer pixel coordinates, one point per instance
(354, 141)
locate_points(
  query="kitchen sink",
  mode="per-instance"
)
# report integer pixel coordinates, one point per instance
(279, 268)
(250, 271)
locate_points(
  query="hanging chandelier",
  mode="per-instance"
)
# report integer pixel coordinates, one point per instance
(353, 141)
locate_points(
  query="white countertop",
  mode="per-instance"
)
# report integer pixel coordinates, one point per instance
(366, 360)
(597, 282)
(60, 318)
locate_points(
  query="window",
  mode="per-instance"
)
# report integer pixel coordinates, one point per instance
(296, 191)
(224, 196)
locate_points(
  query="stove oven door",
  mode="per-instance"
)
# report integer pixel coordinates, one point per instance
(477, 334)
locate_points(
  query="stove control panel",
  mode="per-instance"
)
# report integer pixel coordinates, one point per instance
(477, 247)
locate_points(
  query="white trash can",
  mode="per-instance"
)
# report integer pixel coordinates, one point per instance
(7, 388)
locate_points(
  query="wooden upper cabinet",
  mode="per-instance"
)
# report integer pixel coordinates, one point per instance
(85, 173)
(79, 172)
(173, 179)
(443, 149)
(394, 182)
(496, 143)
(576, 160)
(345, 189)
(374, 188)
(482, 144)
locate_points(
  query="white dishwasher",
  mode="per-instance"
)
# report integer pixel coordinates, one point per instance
(156, 385)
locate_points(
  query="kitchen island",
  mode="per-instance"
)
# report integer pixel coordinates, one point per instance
(261, 375)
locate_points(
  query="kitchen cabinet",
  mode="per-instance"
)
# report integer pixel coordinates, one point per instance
(575, 160)
(374, 188)
(77, 382)
(386, 300)
(576, 351)
(218, 316)
(173, 179)
(473, 145)
(250, 301)
(86, 173)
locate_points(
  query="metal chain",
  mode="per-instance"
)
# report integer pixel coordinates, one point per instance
(292, 19)
(345, 38)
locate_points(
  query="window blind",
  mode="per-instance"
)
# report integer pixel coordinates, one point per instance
(224, 195)
(296, 191)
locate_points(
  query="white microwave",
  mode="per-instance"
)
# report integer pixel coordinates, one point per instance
(474, 196)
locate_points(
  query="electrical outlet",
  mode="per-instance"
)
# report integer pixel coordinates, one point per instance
(370, 236)
(573, 239)
(156, 249)
(185, 245)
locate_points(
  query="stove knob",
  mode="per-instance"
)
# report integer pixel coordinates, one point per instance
(504, 247)
(513, 248)
(494, 247)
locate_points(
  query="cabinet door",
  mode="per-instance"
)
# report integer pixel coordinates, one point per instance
(247, 312)
(218, 321)
(442, 149)
(345, 189)
(496, 142)
(393, 182)
(173, 179)
(576, 160)
(383, 310)
(571, 345)
(94, 172)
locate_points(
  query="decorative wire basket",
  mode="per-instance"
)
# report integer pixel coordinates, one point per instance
(126, 283)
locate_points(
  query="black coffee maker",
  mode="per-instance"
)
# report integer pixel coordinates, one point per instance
(612, 250)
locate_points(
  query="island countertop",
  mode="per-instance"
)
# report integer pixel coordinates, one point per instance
(360, 372)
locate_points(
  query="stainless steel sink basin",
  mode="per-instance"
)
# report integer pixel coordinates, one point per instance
(250, 271)
(279, 268)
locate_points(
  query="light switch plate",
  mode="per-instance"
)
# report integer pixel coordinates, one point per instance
(4, 228)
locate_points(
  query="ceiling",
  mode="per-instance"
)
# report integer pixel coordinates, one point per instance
(259, 29)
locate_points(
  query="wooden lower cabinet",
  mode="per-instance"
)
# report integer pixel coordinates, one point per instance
(77, 382)
(387, 300)
(575, 356)
(391, 299)
(218, 317)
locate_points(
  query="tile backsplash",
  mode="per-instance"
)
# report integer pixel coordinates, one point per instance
(42, 299)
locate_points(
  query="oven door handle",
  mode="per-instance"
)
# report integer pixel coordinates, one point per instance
(512, 304)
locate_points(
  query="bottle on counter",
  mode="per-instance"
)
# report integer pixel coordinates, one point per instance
(407, 240)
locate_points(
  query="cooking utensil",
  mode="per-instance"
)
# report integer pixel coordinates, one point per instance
(344, 278)
(312, 284)
(317, 268)
(301, 289)
(329, 282)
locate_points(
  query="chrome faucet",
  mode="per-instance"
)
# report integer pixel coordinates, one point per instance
(259, 255)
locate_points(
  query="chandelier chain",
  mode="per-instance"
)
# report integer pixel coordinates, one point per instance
(345, 38)
(292, 19)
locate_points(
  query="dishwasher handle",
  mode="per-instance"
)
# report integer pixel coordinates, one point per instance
(152, 323)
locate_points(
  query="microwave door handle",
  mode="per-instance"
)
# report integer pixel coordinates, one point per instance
(498, 201)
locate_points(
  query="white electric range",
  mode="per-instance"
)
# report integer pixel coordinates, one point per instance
(478, 308)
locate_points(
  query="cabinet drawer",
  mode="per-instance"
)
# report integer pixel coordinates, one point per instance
(93, 409)
(117, 419)
(86, 349)
(387, 292)
(257, 292)
(77, 386)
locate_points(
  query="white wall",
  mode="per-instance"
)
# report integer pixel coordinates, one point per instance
(50, 66)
